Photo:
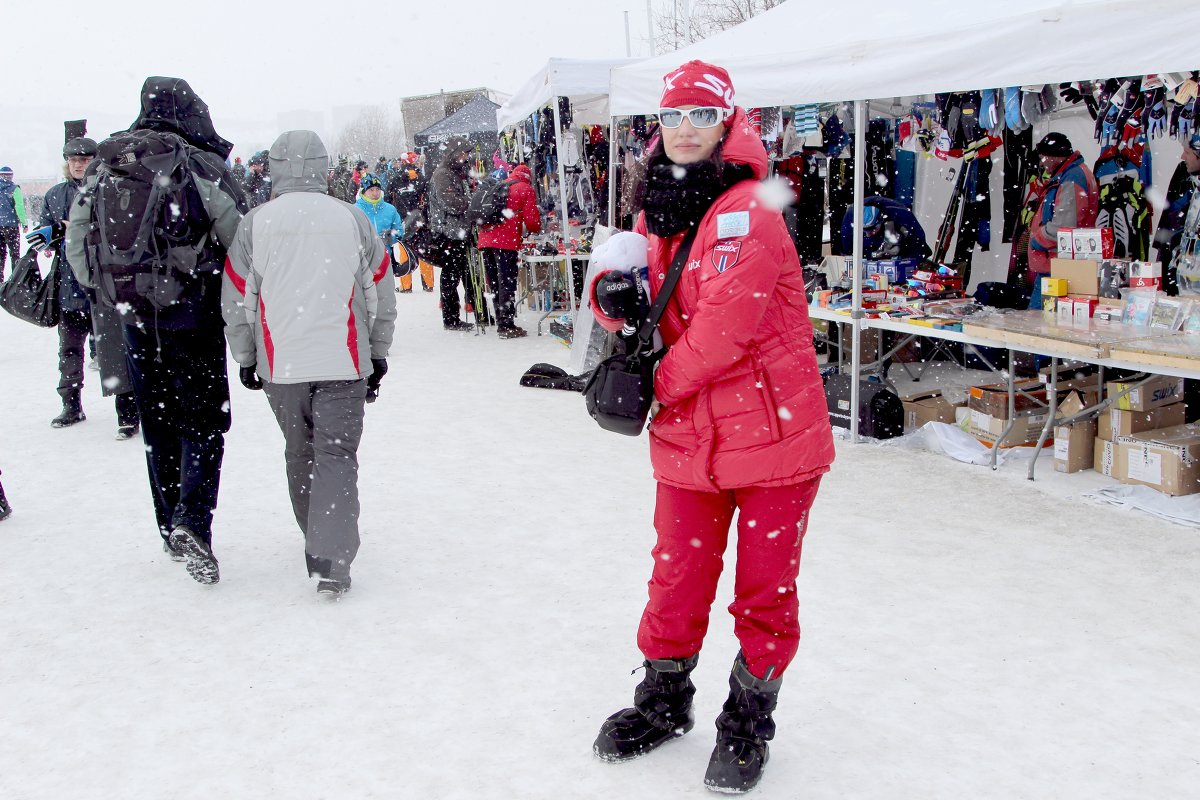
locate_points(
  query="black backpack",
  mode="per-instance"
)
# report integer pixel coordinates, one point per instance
(489, 202)
(148, 221)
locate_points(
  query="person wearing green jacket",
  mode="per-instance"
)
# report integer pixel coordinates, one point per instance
(13, 218)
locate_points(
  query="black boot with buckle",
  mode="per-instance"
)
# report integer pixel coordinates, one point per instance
(743, 730)
(662, 711)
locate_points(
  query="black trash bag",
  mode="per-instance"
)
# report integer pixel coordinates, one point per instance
(28, 296)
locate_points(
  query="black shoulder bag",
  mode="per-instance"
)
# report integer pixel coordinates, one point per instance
(621, 389)
(28, 296)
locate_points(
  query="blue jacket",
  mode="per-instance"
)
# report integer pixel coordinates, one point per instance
(10, 195)
(385, 216)
(56, 208)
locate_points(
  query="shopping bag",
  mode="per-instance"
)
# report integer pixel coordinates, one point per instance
(28, 296)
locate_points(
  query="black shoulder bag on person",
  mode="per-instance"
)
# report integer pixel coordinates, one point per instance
(621, 389)
(28, 296)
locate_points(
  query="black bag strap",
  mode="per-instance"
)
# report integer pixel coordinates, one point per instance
(646, 332)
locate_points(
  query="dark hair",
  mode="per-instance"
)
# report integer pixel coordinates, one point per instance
(639, 174)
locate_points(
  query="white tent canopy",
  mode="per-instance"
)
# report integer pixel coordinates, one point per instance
(585, 81)
(873, 50)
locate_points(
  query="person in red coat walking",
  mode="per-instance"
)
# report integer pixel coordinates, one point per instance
(499, 245)
(741, 425)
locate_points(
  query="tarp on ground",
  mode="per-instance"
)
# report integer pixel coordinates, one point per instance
(585, 81)
(871, 50)
(476, 121)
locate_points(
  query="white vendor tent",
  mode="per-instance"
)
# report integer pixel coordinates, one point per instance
(870, 50)
(585, 81)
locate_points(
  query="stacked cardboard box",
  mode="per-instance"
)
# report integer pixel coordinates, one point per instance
(1074, 444)
(927, 405)
(989, 413)
(1141, 437)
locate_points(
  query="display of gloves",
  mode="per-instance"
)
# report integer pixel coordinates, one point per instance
(1154, 112)
(1125, 101)
(249, 378)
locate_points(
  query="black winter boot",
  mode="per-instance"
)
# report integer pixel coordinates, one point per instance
(743, 730)
(662, 711)
(128, 419)
(72, 412)
(5, 508)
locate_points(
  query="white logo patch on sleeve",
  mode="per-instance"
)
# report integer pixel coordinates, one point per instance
(735, 223)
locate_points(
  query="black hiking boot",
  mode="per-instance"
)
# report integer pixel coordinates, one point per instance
(511, 332)
(171, 552)
(333, 586)
(661, 711)
(458, 325)
(72, 413)
(743, 730)
(128, 419)
(201, 563)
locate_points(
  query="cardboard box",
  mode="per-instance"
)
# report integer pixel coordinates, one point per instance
(1105, 459)
(1065, 313)
(1056, 287)
(1116, 422)
(1138, 282)
(1167, 459)
(1160, 390)
(992, 399)
(1145, 269)
(1066, 243)
(1074, 444)
(929, 406)
(1083, 277)
(1049, 304)
(1108, 310)
(1083, 306)
(1026, 429)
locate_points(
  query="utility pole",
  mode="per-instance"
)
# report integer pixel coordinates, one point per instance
(628, 47)
(650, 26)
(687, 20)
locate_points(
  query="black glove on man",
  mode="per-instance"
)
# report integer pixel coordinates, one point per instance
(617, 296)
(249, 378)
(378, 370)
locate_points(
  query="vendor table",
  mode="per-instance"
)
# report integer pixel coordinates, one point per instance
(564, 270)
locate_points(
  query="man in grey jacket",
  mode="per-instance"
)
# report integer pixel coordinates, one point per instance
(310, 307)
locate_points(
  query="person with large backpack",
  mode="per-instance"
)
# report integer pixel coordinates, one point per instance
(449, 201)
(501, 208)
(148, 233)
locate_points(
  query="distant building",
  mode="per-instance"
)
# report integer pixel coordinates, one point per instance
(421, 111)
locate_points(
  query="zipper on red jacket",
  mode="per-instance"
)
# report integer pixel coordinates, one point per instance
(764, 388)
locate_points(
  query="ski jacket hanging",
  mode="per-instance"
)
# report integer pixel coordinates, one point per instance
(1122, 204)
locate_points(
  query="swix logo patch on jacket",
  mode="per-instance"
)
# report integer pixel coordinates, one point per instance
(725, 254)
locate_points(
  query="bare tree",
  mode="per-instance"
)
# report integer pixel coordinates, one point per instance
(371, 134)
(675, 28)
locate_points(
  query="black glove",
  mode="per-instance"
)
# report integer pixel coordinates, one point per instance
(45, 236)
(249, 378)
(378, 370)
(617, 296)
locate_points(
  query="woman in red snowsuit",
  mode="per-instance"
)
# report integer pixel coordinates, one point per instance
(742, 426)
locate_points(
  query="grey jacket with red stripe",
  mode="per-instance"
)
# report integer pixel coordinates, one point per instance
(308, 291)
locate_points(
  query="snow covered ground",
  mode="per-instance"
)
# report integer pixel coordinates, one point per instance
(966, 633)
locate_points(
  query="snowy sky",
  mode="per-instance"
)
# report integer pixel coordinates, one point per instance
(253, 60)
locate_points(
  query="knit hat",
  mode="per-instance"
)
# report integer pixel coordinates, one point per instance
(697, 84)
(370, 180)
(6, 172)
(1054, 144)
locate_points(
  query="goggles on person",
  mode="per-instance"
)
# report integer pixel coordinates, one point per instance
(700, 117)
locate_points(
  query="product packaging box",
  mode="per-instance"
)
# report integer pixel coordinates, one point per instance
(1066, 243)
(1082, 276)
(1055, 287)
(1106, 461)
(1094, 243)
(1114, 422)
(1138, 282)
(1167, 459)
(1026, 428)
(1083, 306)
(1074, 444)
(992, 399)
(1065, 312)
(1145, 269)
(1049, 304)
(1109, 310)
(929, 406)
(1160, 390)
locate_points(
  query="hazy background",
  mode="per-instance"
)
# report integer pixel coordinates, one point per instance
(252, 61)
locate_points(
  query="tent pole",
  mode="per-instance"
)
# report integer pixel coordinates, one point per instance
(612, 171)
(860, 146)
(562, 205)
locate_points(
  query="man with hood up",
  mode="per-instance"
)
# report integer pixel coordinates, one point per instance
(449, 200)
(176, 353)
(304, 269)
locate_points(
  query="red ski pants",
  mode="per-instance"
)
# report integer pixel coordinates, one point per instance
(693, 531)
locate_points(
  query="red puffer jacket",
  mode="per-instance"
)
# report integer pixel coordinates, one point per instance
(743, 403)
(522, 201)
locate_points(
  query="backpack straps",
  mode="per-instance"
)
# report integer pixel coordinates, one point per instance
(646, 332)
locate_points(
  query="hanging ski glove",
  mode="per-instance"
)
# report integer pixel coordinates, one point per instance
(1107, 90)
(1031, 104)
(1154, 115)
(1187, 120)
(969, 120)
(1185, 104)
(1120, 108)
(989, 112)
(1012, 109)
(40, 238)
(1070, 93)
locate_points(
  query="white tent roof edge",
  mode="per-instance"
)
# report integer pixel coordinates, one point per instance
(586, 79)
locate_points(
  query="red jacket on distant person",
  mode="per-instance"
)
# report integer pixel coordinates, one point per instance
(743, 402)
(522, 201)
